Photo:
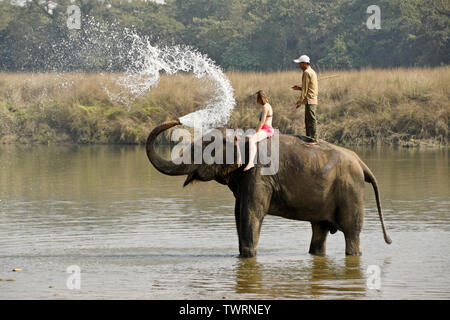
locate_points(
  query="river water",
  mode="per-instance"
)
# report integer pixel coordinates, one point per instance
(137, 234)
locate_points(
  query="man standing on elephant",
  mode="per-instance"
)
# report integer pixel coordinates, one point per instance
(309, 91)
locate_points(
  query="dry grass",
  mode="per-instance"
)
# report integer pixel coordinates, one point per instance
(398, 106)
(358, 107)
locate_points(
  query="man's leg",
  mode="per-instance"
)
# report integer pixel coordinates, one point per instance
(310, 120)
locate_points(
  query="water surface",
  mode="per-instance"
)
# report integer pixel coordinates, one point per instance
(137, 234)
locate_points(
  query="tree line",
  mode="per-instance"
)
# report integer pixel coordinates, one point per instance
(257, 35)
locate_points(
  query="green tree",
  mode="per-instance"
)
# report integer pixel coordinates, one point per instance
(237, 34)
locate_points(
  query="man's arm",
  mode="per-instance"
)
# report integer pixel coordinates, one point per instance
(304, 91)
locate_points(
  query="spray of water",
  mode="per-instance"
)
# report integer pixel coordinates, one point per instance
(142, 62)
(145, 71)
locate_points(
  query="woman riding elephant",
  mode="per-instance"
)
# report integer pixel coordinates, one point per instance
(323, 184)
(264, 128)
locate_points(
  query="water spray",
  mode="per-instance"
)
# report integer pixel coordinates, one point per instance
(142, 62)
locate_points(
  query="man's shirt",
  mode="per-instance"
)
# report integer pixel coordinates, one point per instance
(310, 87)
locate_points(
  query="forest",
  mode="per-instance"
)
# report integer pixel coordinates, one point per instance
(245, 35)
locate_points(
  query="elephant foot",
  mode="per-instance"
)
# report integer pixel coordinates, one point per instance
(353, 253)
(319, 239)
(352, 245)
(247, 253)
(317, 251)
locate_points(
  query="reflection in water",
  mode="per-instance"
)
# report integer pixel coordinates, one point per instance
(136, 233)
(317, 277)
(249, 276)
(343, 280)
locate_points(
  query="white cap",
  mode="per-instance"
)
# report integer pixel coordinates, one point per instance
(303, 58)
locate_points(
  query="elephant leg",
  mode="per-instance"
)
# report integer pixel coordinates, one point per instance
(351, 219)
(254, 204)
(318, 239)
(250, 222)
(237, 217)
(352, 244)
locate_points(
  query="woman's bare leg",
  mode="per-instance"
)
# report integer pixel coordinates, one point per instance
(252, 141)
(237, 141)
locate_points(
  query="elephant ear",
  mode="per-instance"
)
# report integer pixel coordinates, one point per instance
(224, 175)
(218, 172)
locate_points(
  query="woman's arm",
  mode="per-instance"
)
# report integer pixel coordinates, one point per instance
(263, 118)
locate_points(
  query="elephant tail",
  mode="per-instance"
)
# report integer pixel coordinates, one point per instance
(369, 177)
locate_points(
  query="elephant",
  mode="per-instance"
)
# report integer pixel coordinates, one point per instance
(322, 183)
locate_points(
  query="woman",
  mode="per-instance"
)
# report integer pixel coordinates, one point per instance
(263, 129)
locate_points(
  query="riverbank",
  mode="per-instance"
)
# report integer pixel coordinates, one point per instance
(408, 107)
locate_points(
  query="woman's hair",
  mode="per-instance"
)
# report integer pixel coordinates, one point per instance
(261, 97)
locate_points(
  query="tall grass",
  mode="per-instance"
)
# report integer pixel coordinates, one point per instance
(397, 106)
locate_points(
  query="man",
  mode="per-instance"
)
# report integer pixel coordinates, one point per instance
(309, 91)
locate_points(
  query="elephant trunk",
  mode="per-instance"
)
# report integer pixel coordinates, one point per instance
(163, 165)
